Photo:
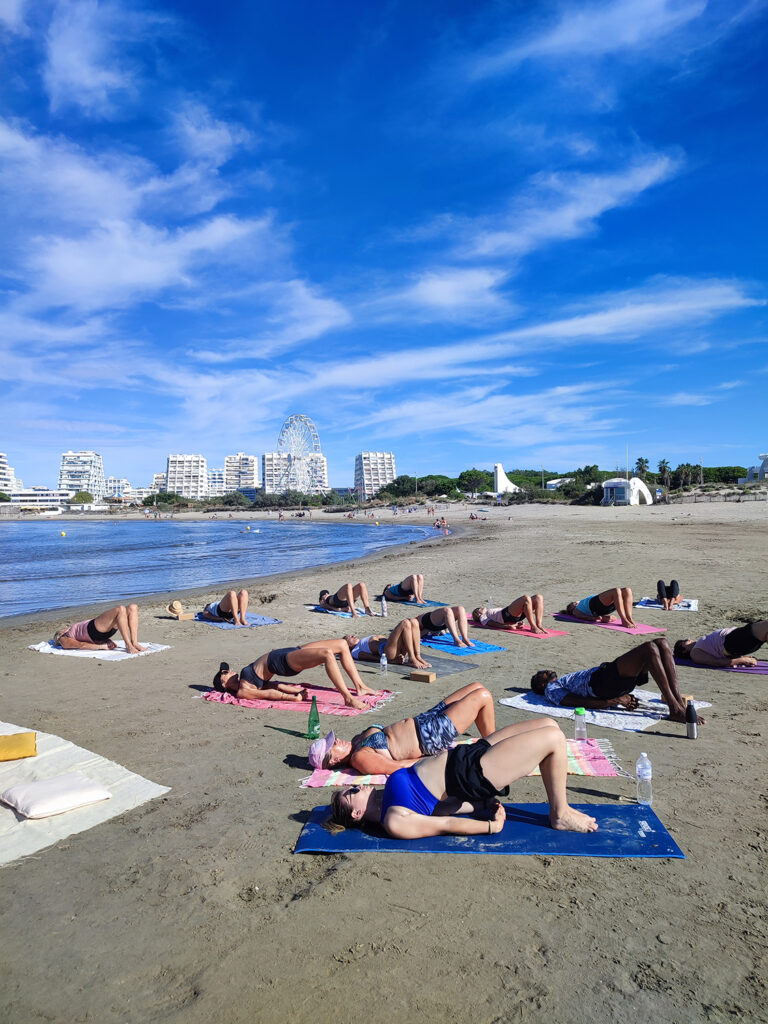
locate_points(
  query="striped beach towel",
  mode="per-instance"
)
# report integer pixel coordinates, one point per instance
(329, 701)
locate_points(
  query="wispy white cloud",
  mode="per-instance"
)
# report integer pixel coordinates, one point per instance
(206, 138)
(88, 64)
(685, 398)
(592, 31)
(452, 294)
(557, 207)
(12, 15)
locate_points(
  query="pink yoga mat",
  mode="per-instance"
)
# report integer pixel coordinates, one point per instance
(329, 701)
(641, 629)
(760, 669)
(525, 631)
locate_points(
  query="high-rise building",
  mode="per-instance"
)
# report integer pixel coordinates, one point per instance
(82, 471)
(240, 471)
(158, 483)
(187, 475)
(373, 470)
(8, 481)
(216, 482)
(282, 471)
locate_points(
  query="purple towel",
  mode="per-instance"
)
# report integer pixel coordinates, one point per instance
(760, 669)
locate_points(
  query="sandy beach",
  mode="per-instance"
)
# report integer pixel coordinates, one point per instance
(193, 907)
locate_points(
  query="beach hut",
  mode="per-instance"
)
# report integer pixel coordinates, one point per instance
(618, 491)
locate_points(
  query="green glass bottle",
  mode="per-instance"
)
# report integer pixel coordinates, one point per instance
(313, 725)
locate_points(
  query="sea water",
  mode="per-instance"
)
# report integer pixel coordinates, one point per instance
(118, 561)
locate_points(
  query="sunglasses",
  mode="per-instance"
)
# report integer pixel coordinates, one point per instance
(353, 789)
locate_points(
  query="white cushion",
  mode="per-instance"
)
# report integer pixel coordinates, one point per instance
(54, 796)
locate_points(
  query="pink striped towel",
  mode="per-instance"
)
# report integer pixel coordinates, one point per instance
(329, 701)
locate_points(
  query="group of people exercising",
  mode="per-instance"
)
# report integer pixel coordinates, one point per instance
(432, 783)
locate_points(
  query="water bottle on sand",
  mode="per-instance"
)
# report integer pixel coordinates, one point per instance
(383, 664)
(383, 607)
(313, 723)
(644, 775)
(579, 724)
(691, 721)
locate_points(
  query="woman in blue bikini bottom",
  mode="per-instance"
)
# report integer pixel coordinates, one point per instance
(427, 798)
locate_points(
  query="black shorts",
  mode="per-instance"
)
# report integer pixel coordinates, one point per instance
(277, 662)
(427, 624)
(338, 604)
(508, 617)
(597, 607)
(738, 643)
(97, 637)
(464, 777)
(606, 682)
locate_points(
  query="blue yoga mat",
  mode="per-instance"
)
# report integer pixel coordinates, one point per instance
(252, 620)
(445, 642)
(630, 830)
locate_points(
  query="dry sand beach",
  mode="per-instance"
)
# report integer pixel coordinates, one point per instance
(194, 908)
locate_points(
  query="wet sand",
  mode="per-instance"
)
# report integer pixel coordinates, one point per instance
(193, 907)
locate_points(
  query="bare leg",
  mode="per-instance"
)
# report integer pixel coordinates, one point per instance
(360, 590)
(449, 622)
(242, 606)
(517, 752)
(397, 645)
(475, 706)
(347, 593)
(133, 626)
(461, 616)
(656, 658)
(117, 618)
(418, 587)
(523, 606)
(538, 612)
(416, 639)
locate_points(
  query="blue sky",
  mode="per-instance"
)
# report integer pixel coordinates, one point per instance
(467, 232)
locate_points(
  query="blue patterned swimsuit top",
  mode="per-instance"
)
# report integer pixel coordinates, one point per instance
(376, 741)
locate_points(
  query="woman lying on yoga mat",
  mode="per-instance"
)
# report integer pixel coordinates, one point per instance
(410, 590)
(668, 596)
(382, 749)
(525, 607)
(732, 647)
(403, 644)
(453, 619)
(425, 799)
(231, 608)
(96, 634)
(344, 599)
(598, 608)
(253, 681)
(611, 684)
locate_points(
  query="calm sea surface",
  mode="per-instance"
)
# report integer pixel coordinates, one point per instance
(41, 570)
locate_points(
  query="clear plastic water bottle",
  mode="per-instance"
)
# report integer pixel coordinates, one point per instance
(579, 724)
(383, 664)
(383, 606)
(644, 775)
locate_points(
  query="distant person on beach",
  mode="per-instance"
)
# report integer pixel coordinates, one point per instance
(453, 619)
(598, 608)
(231, 608)
(668, 596)
(426, 798)
(253, 681)
(96, 634)
(732, 647)
(530, 607)
(382, 749)
(411, 589)
(344, 599)
(610, 684)
(403, 644)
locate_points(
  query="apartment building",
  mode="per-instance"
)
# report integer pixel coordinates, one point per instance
(117, 487)
(373, 470)
(282, 471)
(187, 475)
(8, 481)
(82, 471)
(216, 482)
(240, 471)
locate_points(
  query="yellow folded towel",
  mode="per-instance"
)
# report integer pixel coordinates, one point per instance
(20, 744)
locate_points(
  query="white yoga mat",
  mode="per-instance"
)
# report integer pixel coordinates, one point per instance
(652, 710)
(689, 605)
(120, 654)
(56, 756)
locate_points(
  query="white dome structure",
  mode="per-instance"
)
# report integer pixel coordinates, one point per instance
(618, 491)
(501, 482)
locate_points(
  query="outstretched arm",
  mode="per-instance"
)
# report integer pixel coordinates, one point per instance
(573, 700)
(402, 823)
(371, 762)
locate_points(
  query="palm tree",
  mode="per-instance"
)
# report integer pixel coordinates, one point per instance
(664, 471)
(641, 468)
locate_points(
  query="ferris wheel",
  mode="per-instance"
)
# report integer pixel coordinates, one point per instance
(300, 442)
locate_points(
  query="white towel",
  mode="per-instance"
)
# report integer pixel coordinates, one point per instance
(651, 711)
(689, 605)
(56, 756)
(120, 654)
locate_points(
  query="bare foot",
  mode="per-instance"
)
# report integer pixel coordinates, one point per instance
(354, 703)
(420, 663)
(369, 612)
(572, 820)
(365, 691)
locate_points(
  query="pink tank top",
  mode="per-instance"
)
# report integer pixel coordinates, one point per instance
(79, 632)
